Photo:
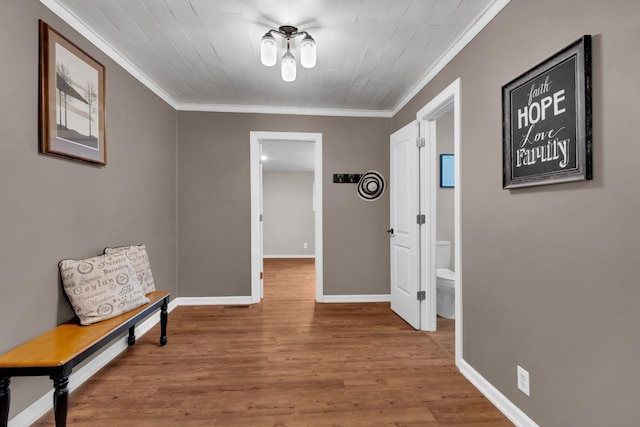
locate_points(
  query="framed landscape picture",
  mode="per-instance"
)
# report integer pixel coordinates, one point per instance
(72, 100)
(547, 120)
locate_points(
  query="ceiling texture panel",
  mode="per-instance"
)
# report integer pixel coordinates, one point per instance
(205, 54)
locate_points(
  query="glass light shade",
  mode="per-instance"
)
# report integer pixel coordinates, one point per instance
(308, 52)
(268, 50)
(288, 69)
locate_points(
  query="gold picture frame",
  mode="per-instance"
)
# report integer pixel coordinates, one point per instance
(72, 100)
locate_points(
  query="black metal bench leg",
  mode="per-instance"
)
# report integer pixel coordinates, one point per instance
(5, 401)
(163, 322)
(61, 400)
(132, 336)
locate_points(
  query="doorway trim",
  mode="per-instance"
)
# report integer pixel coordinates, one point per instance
(255, 138)
(446, 100)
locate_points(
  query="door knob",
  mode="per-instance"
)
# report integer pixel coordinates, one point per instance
(390, 231)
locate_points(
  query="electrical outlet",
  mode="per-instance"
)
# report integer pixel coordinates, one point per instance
(523, 380)
(305, 245)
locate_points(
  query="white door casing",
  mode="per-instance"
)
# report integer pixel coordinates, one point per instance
(428, 205)
(404, 232)
(256, 206)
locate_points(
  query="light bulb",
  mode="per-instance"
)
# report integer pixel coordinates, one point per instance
(268, 50)
(308, 52)
(288, 70)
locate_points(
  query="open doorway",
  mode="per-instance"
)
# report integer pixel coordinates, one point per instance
(287, 182)
(445, 234)
(288, 219)
(434, 113)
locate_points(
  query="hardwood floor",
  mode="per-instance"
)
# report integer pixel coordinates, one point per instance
(445, 337)
(284, 362)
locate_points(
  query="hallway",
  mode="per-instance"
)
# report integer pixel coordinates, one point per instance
(284, 362)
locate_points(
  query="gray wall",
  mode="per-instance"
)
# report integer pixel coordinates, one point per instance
(550, 278)
(214, 201)
(288, 220)
(445, 200)
(52, 208)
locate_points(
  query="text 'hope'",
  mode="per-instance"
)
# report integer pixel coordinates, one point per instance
(536, 111)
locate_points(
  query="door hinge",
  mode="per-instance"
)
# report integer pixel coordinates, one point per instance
(421, 219)
(422, 295)
(420, 142)
(260, 217)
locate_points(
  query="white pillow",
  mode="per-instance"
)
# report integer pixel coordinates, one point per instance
(101, 287)
(140, 259)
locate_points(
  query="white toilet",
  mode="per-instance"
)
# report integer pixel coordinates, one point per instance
(445, 281)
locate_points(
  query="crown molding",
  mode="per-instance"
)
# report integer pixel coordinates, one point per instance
(265, 109)
(81, 27)
(482, 20)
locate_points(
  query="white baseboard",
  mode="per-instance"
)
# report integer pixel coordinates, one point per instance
(33, 412)
(214, 300)
(501, 402)
(356, 298)
(289, 256)
(36, 410)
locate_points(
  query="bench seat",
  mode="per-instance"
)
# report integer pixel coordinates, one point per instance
(55, 353)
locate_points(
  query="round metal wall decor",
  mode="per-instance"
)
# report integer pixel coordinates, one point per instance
(371, 186)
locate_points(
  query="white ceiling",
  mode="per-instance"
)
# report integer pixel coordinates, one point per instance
(205, 54)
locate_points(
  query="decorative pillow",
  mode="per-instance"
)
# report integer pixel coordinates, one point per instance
(101, 287)
(138, 255)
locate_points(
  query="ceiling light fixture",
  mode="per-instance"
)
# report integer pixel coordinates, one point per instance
(269, 51)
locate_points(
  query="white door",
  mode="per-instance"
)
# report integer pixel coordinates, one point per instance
(404, 233)
(261, 175)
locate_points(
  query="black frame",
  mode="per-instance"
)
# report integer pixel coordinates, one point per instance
(451, 173)
(551, 143)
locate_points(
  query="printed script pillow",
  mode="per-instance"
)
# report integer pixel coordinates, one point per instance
(101, 287)
(138, 255)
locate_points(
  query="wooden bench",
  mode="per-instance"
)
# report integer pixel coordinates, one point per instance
(56, 352)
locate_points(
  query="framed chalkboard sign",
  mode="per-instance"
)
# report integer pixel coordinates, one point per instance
(546, 128)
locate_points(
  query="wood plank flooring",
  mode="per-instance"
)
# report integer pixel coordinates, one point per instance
(284, 362)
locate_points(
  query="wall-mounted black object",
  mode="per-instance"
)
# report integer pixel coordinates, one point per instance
(547, 133)
(346, 178)
(371, 186)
